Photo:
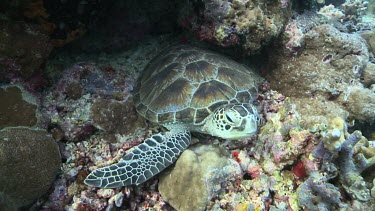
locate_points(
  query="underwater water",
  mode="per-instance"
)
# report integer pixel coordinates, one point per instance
(187, 105)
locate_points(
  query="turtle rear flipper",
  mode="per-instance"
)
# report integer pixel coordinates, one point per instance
(145, 161)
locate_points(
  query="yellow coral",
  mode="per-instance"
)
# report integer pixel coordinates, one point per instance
(241, 207)
(220, 34)
(258, 209)
(337, 122)
(363, 146)
(335, 135)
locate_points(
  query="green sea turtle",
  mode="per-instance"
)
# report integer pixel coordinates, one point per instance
(185, 89)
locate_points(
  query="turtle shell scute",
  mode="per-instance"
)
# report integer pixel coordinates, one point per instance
(185, 84)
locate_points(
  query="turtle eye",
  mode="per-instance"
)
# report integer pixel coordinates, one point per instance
(229, 119)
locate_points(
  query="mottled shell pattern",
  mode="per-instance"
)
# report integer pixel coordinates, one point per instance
(184, 84)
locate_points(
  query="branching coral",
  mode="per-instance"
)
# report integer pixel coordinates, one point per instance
(317, 194)
(348, 161)
(343, 156)
(335, 135)
(350, 171)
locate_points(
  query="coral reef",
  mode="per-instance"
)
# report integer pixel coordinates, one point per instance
(30, 161)
(281, 140)
(348, 161)
(350, 171)
(315, 158)
(247, 24)
(329, 71)
(369, 75)
(198, 176)
(354, 9)
(330, 13)
(306, 155)
(334, 136)
(360, 104)
(18, 107)
(115, 117)
(271, 164)
(369, 36)
(75, 105)
(318, 70)
(317, 194)
(23, 50)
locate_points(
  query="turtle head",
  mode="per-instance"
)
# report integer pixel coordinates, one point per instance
(233, 121)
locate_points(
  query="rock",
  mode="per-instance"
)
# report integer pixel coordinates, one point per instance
(17, 108)
(322, 78)
(369, 74)
(373, 189)
(197, 177)
(249, 25)
(30, 161)
(330, 61)
(318, 111)
(23, 49)
(81, 96)
(369, 36)
(361, 104)
(115, 117)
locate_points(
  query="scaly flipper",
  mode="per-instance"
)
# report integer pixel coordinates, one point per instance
(144, 162)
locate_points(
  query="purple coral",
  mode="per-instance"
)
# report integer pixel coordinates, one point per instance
(343, 164)
(350, 171)
(317, 194)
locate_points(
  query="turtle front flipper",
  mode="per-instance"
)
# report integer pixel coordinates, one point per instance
(144, 162)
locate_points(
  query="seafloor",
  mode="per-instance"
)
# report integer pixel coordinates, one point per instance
(67, 75)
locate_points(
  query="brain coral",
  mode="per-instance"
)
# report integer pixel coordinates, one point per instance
(29, 160)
